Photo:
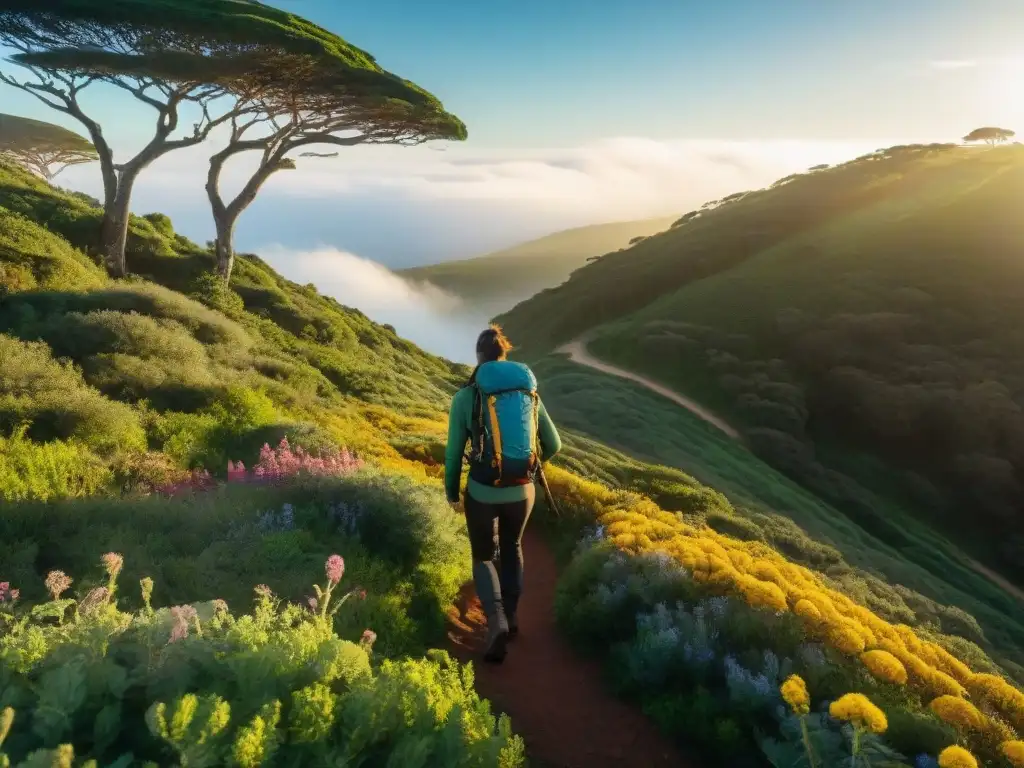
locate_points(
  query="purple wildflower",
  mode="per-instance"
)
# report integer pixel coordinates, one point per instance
(335, 568)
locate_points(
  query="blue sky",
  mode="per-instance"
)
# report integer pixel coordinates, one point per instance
(584, 111)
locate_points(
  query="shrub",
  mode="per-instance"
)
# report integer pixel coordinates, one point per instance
(195, 685)
(56, 470)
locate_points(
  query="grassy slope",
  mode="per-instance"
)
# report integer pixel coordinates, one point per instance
(504, 278)
(630, 419)
(818, 243)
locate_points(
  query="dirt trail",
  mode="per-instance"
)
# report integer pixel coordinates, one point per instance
(577, 351)
(556, 699)
(998, 580)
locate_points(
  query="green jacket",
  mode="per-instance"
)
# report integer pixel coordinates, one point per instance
(460, 422)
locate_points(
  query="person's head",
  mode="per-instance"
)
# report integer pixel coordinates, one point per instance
(492, 345)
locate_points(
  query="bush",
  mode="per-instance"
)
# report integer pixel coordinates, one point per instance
(52, 402)
(195, 685)
(55, 470)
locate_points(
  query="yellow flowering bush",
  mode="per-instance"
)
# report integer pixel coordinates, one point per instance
(1014, 752)
(884, 666)
(794, 693)
(764, 579)
(959, 713)
(956, 757)
(857, 709)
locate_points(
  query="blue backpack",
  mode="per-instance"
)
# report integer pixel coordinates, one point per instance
(504, 442)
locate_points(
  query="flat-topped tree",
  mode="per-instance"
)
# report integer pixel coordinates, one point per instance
(43, 148)
(173, 56)
(990, 135)
(324, 106)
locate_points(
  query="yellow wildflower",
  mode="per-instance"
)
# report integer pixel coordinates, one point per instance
(794, 692)
(856, 708)
(885, 666)
(1014, 752)
(958, 712)
(956, 757)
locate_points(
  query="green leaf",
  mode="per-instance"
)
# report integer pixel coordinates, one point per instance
(62, 691)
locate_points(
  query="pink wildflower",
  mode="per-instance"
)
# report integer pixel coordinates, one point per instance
(312, 603)
(6, 593)
(369, 638)
(113, 562)
(57, 582)
(362, 594)
(14, 594)
(335, 568)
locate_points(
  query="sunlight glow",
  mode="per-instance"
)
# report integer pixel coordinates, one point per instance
(1003, 93)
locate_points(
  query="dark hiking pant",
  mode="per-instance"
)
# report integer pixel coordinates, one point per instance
(497, 529)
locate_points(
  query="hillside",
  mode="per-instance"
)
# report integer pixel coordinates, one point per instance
(698, 601)
(860, 323)
(499, 280)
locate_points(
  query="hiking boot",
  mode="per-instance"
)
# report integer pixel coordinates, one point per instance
(513, 626)
(497, 638)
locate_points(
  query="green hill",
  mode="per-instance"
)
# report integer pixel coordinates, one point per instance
(499, 280)
(861, 323)
(699, 601)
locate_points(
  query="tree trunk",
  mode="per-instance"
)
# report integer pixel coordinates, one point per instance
(115, 226)
(225, 247)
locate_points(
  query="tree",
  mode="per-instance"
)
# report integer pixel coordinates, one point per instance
(43, 148)
(319, 104)
(173, 56)
(989, 135)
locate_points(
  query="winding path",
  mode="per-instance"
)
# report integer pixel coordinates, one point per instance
(577, 352)
(557, 700)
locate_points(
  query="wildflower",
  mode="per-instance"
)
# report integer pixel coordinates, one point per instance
(956, 757)
(8, 595)
(146, 585)
(958, 712)
(794, 692)
(362, 594)
(856, 708)
(1014, 752)
(112, 563)
(368, 639)
(844, 639)
(312, 603)
(335, 567)
(57, 583)
(885, 667)
(263, 590)
(220, 606)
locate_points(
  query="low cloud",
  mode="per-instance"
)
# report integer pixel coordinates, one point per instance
(953, 64)
(419, 311)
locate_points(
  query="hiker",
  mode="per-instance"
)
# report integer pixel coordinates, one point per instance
(499, 412)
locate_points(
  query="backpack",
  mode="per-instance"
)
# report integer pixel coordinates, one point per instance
(504, 442)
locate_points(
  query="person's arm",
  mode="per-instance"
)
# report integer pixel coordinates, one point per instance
(456, 447)
(550, 442)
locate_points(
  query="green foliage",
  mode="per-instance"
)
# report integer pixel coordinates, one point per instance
(200, 686)
(34, 258)
(31, 471)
